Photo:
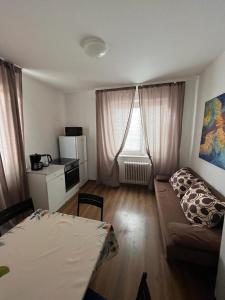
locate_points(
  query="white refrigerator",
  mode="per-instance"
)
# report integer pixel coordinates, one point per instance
(75, 147)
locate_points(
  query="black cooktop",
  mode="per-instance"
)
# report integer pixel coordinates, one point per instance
(64, 161)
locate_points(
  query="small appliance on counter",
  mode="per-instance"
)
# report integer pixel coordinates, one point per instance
(73, 131)
(38, 161)
(46, 159)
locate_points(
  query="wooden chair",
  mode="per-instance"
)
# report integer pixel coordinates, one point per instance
(15, 210)
(143, 291)
(92, 200)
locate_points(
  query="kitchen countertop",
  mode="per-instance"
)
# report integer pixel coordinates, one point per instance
(47, 170)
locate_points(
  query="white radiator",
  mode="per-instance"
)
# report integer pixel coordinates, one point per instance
(136, 172)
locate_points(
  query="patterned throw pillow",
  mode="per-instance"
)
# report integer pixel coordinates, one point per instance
(182, 180)
(200, 206)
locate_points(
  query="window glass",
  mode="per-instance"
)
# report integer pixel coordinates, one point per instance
(135, 139)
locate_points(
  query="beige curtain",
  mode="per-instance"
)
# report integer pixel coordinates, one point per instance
(162, 110)
(13, 182)
(113, 114)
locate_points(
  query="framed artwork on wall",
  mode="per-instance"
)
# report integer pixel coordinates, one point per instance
(212, 146)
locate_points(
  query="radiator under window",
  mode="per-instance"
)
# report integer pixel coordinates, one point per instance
(135, 172)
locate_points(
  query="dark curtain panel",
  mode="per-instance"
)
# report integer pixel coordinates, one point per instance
(13, 181)
(162, 111)
(113, 115)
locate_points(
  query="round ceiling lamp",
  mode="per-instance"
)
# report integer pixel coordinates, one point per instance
(94, 47)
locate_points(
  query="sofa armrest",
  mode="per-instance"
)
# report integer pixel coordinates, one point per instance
(194, 237)
(162, 177)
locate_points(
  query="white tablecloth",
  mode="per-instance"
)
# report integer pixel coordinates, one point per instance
(50, 258)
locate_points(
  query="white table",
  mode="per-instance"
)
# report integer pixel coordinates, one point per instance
(52, 257)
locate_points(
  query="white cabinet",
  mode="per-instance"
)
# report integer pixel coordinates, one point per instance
(76, 147)
(67, 147)
(56, 192)
(47, 187)
(83, 173)
(81, 148)
(73, 147)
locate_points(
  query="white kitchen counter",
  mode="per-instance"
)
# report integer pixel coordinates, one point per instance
(47, 170)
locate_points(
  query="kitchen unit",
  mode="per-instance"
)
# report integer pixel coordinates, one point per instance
(48, 187)
(75, 147)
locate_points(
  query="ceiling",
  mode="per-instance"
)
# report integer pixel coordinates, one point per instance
(149, 40)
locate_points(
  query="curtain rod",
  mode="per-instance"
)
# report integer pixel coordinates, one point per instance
(141, 85)
(159, 84)
(9, 62)
(117, 89)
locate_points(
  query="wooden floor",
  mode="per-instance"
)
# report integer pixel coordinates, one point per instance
(132, 211)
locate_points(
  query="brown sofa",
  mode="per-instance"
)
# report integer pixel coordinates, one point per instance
(183, 241)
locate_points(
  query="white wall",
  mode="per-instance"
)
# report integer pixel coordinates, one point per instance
(44, 117)
(211, 84)
(81, 111)
(188, 123)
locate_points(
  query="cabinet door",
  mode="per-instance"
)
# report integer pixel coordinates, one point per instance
(83, 173)
(67, 147)
(38, 190)
(81, 148)
(56, 192)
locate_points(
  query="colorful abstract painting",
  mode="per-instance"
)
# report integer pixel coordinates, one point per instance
(212, 147)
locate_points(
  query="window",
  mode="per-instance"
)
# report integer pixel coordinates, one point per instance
(135, 140)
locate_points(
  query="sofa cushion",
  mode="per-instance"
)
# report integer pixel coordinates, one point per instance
(162, 177)
(201, 206)
(181, 181)
(194, 237)
(169, 209)
(168, 203)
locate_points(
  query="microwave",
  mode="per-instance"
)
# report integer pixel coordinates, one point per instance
(73, 131)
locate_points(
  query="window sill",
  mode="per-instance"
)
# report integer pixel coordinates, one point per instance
(134, 155)
(134, 158)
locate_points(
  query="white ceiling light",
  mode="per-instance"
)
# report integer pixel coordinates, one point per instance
(94, 47)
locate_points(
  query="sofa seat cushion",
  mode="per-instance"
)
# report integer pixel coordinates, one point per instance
(168, 203)
(194, 237)
(181, 181)
(162, 177)
(201, 206)
(169, 209)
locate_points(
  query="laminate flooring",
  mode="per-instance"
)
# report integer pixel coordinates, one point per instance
(133, 213)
